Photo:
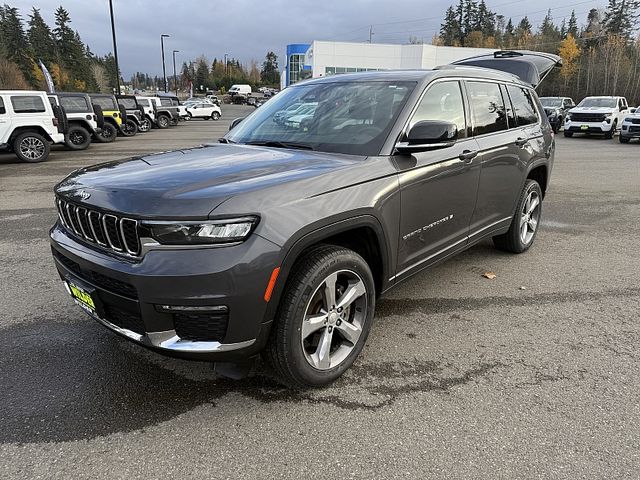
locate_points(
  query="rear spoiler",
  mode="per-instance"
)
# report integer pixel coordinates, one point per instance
(528, 66)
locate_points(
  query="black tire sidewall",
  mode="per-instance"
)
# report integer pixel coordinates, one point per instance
(21, 137)
(103, 139)
(163, 121)
(215, 116)
(294, 304)
(83, 131)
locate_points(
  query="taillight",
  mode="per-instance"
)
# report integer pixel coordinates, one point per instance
(55, 121)
(95, 118)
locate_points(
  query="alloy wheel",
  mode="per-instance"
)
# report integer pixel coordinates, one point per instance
(530, 217)
(333, 319)
(32, 148)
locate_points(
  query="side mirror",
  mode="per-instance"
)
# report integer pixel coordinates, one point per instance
(633, 110)
(429, 135)
(235, 122)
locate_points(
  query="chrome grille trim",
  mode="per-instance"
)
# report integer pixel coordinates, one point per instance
(108, 231)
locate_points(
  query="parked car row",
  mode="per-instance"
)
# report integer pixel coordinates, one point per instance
(601, 115)
(31, 121)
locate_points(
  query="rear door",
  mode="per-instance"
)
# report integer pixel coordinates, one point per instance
(500, 154)
(5, 122)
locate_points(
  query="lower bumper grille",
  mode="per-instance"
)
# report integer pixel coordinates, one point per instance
(124, 319)
(201, 327)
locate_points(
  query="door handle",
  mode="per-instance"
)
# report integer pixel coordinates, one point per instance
(467, 155)
(521, 142)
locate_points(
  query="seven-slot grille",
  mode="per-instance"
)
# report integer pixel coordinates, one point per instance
(588, 117)
(104, 229)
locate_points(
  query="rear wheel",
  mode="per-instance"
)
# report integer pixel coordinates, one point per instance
(129, 128)
(163, 121)
(31, 147)
(323, 319)
(78, 138)
(145, 125)
(108, 133)
(526, 220)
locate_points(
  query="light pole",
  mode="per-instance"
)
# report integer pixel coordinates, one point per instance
(226, 64)
(164, 68)
(175, 82)
(115, 47)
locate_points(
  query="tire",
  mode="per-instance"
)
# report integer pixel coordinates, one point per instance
(568, 134)
(623, 139)
(78, 138)
(215, 116)
(610, 133)
(129, 128)
(524, 228)
(31, 147)
(163, 121)
(189, 116)
(145, 126)
(294, 348)
(108, 134)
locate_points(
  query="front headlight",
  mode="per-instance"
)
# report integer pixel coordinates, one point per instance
(206, 232)
(567, 118)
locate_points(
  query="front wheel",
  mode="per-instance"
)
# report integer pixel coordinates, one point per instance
(215, 116)
(78, 138)
(324, 317)
(526, 220)
(623, 139)
(145, 125)
(129, 128)
(31, 147)
(107, 134)
(609, 135)
(568, 134)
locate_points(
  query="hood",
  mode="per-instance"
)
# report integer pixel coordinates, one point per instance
(592, 110)
(551, 110)
(191, 183)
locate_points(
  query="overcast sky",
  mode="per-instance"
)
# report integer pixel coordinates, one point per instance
(248, 29)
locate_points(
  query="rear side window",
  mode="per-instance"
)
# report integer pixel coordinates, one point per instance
(75, 104)
(2, 109)
(129, 103)
(523, 105)
(442, 101)
(106, 103)
(488, 109)
(28, 104)
(165, 101)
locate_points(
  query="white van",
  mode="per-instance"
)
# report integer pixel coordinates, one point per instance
(240, 89)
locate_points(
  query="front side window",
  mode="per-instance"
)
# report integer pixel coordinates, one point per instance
(3, 110)
(342, 117)
(525, 110)
(442, 101)
(27, 104)
(74, 104)
(487, 106)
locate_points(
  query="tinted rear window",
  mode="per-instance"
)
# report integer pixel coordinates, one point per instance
(525, 110)
(75, 104)
(28, 104)
(487, 106)
(106, 103)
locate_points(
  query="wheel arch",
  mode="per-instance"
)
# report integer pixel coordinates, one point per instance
(363, 234)
(33, 129)
(540, 173)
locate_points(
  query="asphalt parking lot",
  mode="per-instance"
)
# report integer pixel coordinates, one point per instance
(533, 374)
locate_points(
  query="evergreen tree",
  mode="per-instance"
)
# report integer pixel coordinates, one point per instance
(620, 17)
(270, 75)
(485, 20)
(40, 36)
(13, 40)
(450, 32)
(572, 28)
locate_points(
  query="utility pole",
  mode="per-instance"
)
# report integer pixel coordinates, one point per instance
(115, 48)
(370, 33)
(164, 68)
(175, 81)
(226, 64)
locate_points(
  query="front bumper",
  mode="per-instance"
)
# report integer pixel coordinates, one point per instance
(131, 295)
(588, 127)
(630, 130)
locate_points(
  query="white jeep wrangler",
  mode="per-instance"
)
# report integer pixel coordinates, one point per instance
(29, 124)
(598, 115)
(82, 117)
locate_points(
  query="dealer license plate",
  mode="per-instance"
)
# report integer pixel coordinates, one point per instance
(82, 297)
(584, 127)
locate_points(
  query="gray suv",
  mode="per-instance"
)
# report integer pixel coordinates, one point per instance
(279, 238)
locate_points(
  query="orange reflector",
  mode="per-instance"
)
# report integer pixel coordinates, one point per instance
(272, 283)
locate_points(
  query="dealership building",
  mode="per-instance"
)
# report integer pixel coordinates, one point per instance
(321, 59)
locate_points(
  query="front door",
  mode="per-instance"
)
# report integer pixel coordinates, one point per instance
(437, 187)
(5, 123)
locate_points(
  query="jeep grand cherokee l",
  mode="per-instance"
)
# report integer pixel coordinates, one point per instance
(280, 238)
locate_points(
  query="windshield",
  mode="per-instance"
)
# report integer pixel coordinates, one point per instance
(342, 117)
(551, 102)
(599, 102)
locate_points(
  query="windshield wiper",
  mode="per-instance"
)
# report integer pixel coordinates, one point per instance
(225, 140)
(279, 144)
